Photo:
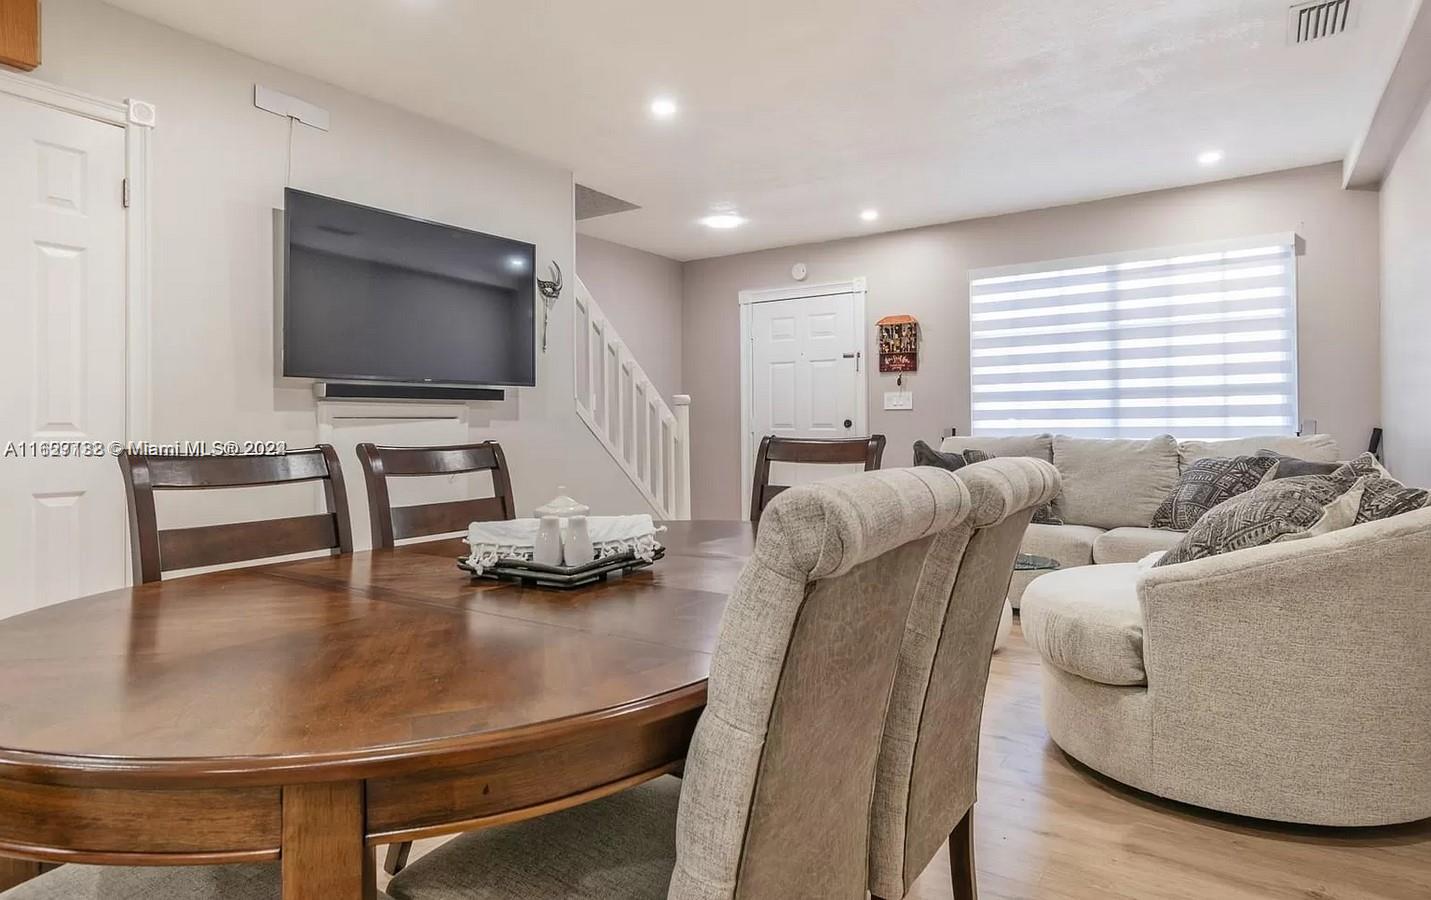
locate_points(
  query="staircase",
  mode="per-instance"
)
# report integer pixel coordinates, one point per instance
(649, 439)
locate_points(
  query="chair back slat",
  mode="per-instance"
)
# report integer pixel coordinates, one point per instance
(213, 545)
(445, 517)
(419, 461)
(155, 552)
(867, 451)
(202, 472)
(390, 524)
(809, 450)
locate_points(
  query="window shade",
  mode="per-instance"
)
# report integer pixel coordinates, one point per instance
(1197, 342)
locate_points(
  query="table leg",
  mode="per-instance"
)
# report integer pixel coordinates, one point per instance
(324, 857)
(18, 871)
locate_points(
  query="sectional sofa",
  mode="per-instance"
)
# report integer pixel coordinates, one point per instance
(1289, 681)
(1112, 488)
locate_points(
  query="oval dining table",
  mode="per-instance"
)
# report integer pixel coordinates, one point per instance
(310, 711)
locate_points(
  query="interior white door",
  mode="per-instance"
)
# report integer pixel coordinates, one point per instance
(805, 375)
(62, 356)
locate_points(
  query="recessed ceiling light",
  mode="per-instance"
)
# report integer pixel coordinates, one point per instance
(664, 108)
(869, 215)
(723, 221)
(1209, 157)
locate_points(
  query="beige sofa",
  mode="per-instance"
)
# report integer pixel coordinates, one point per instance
(1112, 488)
(1288, 682)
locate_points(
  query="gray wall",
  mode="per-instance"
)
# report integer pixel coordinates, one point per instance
(641, 292)
(925, 272)
(220, 167)
(1406, 308)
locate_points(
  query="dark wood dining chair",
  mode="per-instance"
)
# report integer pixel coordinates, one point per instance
(155, 552)
(391, 525)
(841, 451)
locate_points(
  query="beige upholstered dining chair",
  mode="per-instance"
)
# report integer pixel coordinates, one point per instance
(929, 760)
(776, 792)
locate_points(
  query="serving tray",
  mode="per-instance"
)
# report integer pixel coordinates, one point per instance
(563, 577)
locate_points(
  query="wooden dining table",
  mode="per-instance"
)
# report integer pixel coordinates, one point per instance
(310, 711)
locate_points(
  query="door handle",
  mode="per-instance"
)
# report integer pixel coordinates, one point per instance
(849, 424)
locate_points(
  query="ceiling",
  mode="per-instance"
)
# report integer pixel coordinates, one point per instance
(801, 113)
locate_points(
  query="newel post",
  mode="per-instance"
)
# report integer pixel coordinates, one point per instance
(682, 404)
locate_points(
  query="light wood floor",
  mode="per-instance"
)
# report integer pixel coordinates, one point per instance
(1049, 829)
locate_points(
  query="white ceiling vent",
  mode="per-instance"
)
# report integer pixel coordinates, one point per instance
(1307, 22)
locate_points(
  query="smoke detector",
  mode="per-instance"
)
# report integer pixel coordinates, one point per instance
(1320, 19)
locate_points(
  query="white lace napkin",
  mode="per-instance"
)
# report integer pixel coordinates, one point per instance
(614, 535)
(492, 542)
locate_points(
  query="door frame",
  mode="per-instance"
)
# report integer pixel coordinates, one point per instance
(858, 289)
(137, 118)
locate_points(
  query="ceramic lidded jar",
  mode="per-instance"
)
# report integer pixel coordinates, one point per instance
(562, 506)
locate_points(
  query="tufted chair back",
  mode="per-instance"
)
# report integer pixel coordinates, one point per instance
(781, 769)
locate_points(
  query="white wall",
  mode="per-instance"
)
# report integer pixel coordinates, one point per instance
(641, 293)
(924, 272)
(220, 167)
(1406, 308)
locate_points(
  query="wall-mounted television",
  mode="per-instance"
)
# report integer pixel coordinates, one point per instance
(376, 296)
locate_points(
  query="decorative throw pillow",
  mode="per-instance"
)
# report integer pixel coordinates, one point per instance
(925, 455)
(1207, 482)
(1383, 495)
(1365, 464)
(1044, 515)
(1281, 510)
(1291, 467)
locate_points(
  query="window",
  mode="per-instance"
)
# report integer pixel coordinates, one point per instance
(1197, 342)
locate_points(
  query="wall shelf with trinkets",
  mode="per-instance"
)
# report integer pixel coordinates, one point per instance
(898, 344)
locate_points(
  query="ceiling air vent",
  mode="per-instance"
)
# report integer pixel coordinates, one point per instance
(1307, 22)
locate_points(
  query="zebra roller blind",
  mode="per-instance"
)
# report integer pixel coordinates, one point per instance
(1197, 342)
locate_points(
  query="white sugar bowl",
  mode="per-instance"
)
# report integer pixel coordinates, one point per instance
(561, 506)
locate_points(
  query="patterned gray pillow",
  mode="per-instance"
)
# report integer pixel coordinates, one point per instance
(1383, 495)
(1207, 482)
(1278, 510)
(1044, 515)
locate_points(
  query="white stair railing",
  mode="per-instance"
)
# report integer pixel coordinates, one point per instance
(650, 440)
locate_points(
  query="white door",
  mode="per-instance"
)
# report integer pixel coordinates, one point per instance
(62, 355)
(806, 376)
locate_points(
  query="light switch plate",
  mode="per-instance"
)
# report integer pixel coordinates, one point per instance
(899, 400)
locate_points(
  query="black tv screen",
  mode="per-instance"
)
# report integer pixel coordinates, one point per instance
(376, 296)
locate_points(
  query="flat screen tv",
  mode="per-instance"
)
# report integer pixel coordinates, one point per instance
(375, 296)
